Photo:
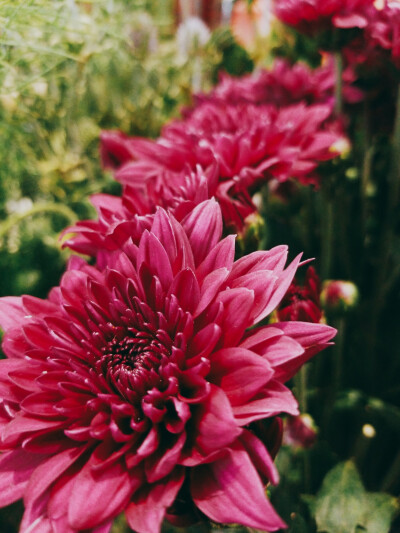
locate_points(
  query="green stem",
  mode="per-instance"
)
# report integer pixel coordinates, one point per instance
(327, 234)
(58, 209)
(338, 83)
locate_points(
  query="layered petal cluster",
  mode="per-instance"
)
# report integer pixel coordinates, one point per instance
(383, 31)
(146, 387)
(285, 84)
(316, 16)
(126, 217)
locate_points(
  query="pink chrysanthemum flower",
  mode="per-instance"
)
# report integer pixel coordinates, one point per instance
(250, 143)
(143, 386)
(284, 84)
(315, 16)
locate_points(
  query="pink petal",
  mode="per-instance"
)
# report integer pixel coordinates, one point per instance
(259, 456)
(203, 227)
(240, 373)
(104, 493)
(147, 511)
(186, 289)
(153, 254)
(49, 471)
(262, 283)
(230, 491)
(215, 426)
(16, 468)
(273, 400)
(161, 464)
(307, 333)
(12, 312)
(273, 259)
(282, 285)
(221, 256)
(238, 305)
(210, 288)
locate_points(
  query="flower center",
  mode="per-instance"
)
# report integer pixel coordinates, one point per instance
(131, 360)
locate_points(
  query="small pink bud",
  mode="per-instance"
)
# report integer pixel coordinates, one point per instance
(339, 295)
(299, 431)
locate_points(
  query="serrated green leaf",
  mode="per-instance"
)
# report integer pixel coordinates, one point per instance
(382, 508)
(339, 505)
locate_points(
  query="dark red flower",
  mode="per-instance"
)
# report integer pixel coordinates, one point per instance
(302, 302)
(132, 386)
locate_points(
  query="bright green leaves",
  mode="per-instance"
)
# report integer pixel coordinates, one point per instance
(344, 506)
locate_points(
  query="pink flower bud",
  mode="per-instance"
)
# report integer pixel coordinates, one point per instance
(338, 295)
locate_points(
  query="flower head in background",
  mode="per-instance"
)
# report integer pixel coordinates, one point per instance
(383, 32)
(299, 432)
(251, 144)
(284, 84)
(142, 388)
(316, 16)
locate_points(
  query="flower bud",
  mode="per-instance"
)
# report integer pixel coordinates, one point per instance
(299, 431)
(338, 295)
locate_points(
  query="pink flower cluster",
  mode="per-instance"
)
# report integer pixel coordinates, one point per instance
(150, 383)
(379, 25)
(227, 146)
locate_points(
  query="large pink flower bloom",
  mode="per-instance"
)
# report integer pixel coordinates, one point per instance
(315, 16)
(144, 385)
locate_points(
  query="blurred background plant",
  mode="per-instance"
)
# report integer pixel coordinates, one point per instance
(69, 69)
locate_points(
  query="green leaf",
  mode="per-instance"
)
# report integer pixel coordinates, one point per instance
(338, 506)
(381, 509)
(344, 506)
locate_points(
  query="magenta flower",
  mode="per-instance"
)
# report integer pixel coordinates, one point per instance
(251, 144)
(284, 84)
(383, 32)
(143, 388)
(315, 16)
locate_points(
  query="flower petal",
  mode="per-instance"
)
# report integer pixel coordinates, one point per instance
(230, 490)
(147, 511)
(105, 494)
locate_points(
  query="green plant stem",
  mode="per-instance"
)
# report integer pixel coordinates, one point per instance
(338, 83)
(327, 233)
(58, 209)
(392, 475)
